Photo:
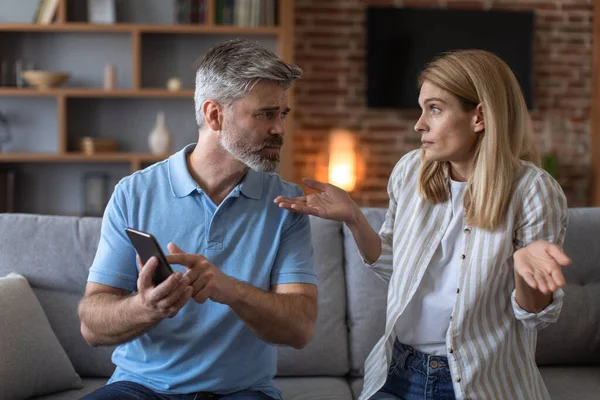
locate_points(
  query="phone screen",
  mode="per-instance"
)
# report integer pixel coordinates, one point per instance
(147, 246)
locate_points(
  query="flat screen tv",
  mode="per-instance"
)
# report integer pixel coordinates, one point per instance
(401, 41)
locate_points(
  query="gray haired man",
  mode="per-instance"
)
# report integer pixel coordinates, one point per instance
(244, 277)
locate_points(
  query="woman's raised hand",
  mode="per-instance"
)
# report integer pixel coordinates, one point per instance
(330, 203)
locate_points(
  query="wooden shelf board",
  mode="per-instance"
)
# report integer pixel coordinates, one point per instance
(143, 28)
(95, 93)
(79, 157)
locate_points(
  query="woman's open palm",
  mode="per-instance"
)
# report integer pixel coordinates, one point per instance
(539, 264)
(330, 203)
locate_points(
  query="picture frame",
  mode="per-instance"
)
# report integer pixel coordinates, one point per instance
(101, 11)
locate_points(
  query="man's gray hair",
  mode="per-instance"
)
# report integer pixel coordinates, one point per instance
(230, 70)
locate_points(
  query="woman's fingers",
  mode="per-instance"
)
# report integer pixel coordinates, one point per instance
(555, 252)
(302, 209)
(558, 277)
(541, 281)
(313, 184)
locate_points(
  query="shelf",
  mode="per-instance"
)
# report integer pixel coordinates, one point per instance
(141, 28)
(96, 93)
(80, 157)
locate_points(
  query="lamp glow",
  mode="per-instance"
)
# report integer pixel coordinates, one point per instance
(342, 160)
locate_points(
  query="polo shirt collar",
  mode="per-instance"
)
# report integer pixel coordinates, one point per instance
(182, 183)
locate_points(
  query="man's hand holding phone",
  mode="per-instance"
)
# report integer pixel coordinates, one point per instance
(165, 299)
(208, 281)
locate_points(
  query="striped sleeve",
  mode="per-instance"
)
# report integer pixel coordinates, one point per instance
(544, 214)
(544, 217)
(383, 267)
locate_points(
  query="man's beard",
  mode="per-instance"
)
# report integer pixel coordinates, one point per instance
(251, 154)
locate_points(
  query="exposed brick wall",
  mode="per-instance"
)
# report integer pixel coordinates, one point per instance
(330, 47)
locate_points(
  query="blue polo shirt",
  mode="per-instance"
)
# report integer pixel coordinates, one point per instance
(206, 347)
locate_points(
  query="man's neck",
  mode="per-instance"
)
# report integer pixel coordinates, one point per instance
(214, 169)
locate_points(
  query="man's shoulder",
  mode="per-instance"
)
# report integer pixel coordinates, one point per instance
(153, 175)
(275, 185)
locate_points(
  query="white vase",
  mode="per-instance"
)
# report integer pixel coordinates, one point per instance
(160, 138)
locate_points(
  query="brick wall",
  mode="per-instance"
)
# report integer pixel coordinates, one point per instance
(330, 47)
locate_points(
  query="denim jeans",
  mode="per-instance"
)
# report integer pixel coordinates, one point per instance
(134, 391)
(416, 376)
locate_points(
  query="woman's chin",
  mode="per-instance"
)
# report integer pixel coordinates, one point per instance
(431, 156)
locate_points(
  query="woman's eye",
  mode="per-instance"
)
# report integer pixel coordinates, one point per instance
(434, 110)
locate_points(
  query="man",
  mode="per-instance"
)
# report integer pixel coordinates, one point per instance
(244, 276)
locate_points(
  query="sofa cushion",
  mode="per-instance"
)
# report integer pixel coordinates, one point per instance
(581, 383)
(327, 353)
(89, 385)
(314, 388)
(52, 252)
(33, 362)
(61, 310)
(367, 296)
(575, 337)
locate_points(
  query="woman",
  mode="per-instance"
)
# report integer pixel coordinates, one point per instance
(471, 243)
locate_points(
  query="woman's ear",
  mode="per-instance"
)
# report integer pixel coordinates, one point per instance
(478, 121)
(213, 114)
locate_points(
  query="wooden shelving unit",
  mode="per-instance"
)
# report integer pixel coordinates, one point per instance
(139, 89)
(140, 28)
(96, 93)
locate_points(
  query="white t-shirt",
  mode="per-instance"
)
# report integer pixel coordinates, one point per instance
(425, 321)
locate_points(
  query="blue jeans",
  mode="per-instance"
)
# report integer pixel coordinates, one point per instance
(416, 376)
(134, 391)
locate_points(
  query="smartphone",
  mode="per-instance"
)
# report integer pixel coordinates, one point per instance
(146, 246)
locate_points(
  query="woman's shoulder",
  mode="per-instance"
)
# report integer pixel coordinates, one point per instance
(530, 176)
(408, 162)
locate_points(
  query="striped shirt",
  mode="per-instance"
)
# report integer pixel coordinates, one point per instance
(490, 340)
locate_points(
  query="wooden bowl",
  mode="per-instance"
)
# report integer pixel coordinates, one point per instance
(44, 80)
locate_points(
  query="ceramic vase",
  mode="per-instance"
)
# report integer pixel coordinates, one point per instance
(160, 138)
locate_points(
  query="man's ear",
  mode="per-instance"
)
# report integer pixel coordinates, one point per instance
(213, 114)
(478, 121)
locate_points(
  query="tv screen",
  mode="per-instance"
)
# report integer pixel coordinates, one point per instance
(401, 41)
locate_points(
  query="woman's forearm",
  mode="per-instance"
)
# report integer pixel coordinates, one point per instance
(367, 240)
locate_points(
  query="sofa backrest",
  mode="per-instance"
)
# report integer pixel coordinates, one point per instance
(54, 254)
(367, 295)
(573, 339)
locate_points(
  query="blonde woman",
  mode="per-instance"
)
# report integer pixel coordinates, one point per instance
(471, 243)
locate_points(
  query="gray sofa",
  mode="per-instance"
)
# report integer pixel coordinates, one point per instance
(54, 254)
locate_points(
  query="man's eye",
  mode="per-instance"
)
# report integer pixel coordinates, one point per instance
(283, 115)
(265, 115)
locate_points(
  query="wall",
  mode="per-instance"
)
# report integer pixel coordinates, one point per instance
(330, 47)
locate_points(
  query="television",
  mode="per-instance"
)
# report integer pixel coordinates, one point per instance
(401, 41)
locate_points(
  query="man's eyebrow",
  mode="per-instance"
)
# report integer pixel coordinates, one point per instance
(265, 109)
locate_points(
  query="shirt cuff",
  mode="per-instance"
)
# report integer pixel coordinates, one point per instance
(537, 321)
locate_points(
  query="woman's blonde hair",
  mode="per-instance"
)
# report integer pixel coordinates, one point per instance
(480, 77)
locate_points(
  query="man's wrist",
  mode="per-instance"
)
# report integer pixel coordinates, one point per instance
(238, 292)
(145, 315)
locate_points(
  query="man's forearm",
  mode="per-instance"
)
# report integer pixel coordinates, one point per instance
(529, 299)
(108, 319)
(287, 318)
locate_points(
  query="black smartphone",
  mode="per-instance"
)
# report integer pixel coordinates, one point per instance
(146, 246)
